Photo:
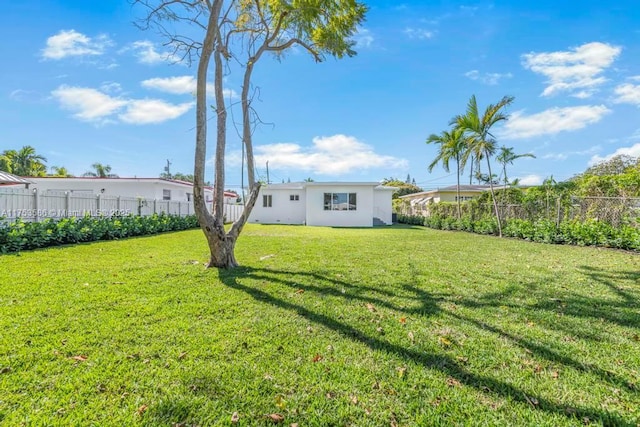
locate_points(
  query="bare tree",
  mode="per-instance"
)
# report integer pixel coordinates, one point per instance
(236, 34)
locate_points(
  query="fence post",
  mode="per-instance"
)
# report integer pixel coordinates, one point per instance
(179, 208)
(118, 205)
(155, 206)
(98, 204)
(67, 203)
(35, 204)
(139, 206)
(558, 217)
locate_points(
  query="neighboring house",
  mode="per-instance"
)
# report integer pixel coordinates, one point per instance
(420, 201)
(9, 179)
(146, 188)
(231, 197)
(337, 204)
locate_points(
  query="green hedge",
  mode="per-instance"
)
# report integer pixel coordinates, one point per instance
(588, 233)
(20, 235)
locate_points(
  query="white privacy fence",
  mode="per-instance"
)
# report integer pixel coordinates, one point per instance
(31, 205)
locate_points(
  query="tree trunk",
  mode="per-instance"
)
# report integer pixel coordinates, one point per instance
(222, 249)
(493, 197)
(458, 185)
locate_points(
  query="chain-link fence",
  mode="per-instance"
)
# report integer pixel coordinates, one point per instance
(616, 211)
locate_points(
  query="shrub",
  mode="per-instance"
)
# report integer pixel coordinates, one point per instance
(20, 235)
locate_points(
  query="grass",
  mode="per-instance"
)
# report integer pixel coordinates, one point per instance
(367, 327)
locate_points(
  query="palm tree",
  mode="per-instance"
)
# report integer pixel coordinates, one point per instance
(6, 160)
(60, 171)
(481, 140)
(453, 145)
(508, 156)
(26, 162)
(100, 171)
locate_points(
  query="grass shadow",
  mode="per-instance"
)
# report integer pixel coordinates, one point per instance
(431, 360)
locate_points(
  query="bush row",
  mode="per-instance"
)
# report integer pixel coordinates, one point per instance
(20, 235)
(587, 233)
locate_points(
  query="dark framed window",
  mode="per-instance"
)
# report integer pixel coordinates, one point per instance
(340, 201)
(267, 201)
(166, 194)
(294, 197)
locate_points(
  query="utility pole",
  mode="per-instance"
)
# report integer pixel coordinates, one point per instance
(268, 172)
(167, 169)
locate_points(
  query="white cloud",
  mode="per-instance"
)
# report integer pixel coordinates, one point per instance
(552, 121)
(151, 111)
(177, 85)
(487, 78)
(23, 95)
(89, 105)
(332, 155)
(576, 71)
(72, 43)
(418, 33)
(92, 105)
(111, 87)
(633, 151)
(363, 38)
(565, 155)
(147, 53)
(180, 85)
(627, 94)
(530, 180)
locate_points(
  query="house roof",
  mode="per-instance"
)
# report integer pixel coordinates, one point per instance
(112, 179)
(9, 179)
(303, 185)
(452, 189)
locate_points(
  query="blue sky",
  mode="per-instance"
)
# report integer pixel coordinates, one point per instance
(82, 84)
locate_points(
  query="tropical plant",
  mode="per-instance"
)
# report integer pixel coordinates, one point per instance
(100, 171)
(452, 146)
(241, 32)
(481, 141)
(23, 162)
(59, 171)
(507, 156)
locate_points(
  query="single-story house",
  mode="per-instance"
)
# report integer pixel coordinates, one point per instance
(336, 204)
(146, 188)
(420, 201)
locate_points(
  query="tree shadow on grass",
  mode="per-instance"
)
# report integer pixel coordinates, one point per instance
(430, 304)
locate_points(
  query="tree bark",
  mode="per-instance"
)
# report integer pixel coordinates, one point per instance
(493, 197)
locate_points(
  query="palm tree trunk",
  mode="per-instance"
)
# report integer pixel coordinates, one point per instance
(493, 197)
(458, 185)
(471, 171)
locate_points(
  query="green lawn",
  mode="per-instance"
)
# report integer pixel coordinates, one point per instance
(381, 327)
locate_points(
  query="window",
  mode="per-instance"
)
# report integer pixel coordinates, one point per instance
(188, 197)
(464, 198)
(294, 197)
(340, 201)
(267, 201)
(166, 194)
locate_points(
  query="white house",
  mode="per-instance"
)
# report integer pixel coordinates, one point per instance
(338, 204)
(146, 188)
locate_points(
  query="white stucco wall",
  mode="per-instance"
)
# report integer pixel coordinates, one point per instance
(283, 210)
(382, 205)
(123, 187)
(361, 217)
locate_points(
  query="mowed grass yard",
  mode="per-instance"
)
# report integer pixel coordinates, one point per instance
(366, 327)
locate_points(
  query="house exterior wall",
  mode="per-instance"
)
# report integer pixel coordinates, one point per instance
(123, 187)
(361, 217)
(382, 206)
(451, 197)
(283, 210)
